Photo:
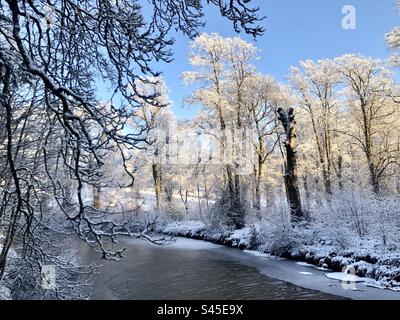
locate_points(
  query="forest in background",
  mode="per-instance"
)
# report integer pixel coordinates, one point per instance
(323, 147)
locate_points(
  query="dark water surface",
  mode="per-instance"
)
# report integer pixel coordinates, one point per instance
(194, 270)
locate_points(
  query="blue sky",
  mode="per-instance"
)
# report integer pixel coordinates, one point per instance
(295, 30)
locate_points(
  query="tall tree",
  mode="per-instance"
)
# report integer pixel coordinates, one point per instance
(262, 97)
(368, 87)
(315, 84)
(223, 68)
(288, 122)
(156, 119)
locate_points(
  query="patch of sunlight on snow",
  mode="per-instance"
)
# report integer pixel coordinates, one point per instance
(341, 276)
(306, 273)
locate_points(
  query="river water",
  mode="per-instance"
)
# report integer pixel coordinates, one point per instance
(188, 269)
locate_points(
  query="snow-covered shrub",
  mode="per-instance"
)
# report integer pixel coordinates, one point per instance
(5, 293)
(23, 278)
(383, 216)
(73, 280)
(187, 228)
(244, 238)
(358, 213)
(218, 214)
(275, 230)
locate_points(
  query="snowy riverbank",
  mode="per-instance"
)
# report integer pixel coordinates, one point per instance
(365, 260)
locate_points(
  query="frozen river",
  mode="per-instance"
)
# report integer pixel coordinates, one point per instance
(191, 269)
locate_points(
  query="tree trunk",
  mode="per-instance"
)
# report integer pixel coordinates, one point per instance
(339, 172)
(325, 163)
(236, 212)
(307, 190)
(198, 197)
(184, 197)
(373, 176)
(157, 184)
(291, 180)
(257, 200)
(97, 197)
(368, 149)
(205, 186)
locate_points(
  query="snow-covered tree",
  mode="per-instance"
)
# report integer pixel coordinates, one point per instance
(315, 84)
(374, 116)
(262, 96)
(393, 40)
(52, 55)
(157, 119)
(223, 68)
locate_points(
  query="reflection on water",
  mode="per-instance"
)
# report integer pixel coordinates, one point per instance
(153, 272)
